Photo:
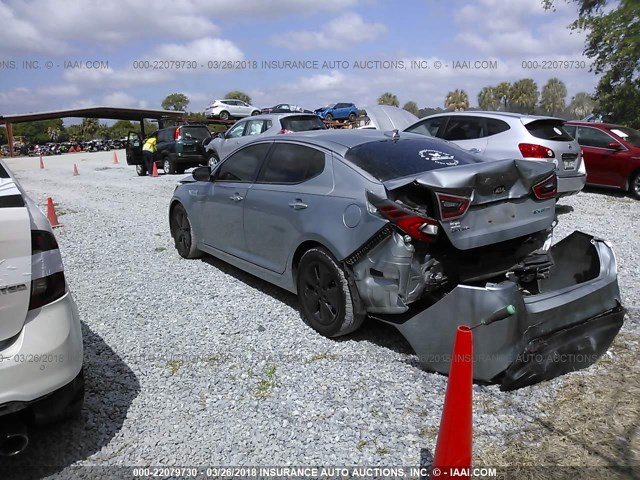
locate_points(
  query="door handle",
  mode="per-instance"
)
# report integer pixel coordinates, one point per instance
(236, 197)
(475, 150)
(298, 204)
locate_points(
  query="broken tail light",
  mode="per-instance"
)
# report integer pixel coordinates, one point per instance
(547, 188)
(452, 206)
(176, 134)
(284, 130)
(530, 150)
(418, 226)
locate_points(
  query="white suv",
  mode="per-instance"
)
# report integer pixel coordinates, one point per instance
(41, 379)
(230, 108)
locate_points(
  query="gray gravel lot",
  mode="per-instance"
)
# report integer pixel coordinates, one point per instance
(197, 363)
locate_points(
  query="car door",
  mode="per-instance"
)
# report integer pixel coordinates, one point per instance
(221, 211)
(133, 148)
(285, 200)
(468, 132)
(232, 139)
(600, 159)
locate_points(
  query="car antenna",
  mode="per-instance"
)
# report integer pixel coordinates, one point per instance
(394, 134)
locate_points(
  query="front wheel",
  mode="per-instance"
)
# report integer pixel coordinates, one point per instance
(182, 233)
(141, 170)
(168, 166)
(255, 112)
(328, 117)
(213, 160)
(634, 186)
(329, 305)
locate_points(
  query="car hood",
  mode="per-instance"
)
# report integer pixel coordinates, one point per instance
(386, 117)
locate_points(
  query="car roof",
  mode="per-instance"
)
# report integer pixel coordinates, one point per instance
(595, 124)
(491, 113)
(276, 116)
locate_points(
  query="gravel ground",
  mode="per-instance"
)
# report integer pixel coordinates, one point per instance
(197, 363)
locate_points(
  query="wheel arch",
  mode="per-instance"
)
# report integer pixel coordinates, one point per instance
(302, 249)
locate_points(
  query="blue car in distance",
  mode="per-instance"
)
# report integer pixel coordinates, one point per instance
(338, 111)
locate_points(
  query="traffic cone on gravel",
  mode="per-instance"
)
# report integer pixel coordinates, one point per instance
(154, 170)
(75, 170)
(453, 448)
(115, 157)
(51, 214)
(41, 162)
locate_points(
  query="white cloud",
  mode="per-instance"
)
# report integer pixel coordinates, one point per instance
(201, 50)
(120, 99)
(339, 33)
(21, 36)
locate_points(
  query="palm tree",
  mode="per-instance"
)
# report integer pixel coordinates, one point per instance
(582, 104)
(457, 100)
(503, 94)
(388, 98)
(487, 99)
(88, 127)
(553, 95)
(412, 107)
(53, 133)
(524, 95)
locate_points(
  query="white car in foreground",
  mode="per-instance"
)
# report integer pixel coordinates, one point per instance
(41, 377)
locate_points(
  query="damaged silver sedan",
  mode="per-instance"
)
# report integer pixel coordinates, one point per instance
(418, 233)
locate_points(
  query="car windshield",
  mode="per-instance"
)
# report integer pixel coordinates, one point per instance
(389, 159)
(628, 134)
(302, 123)
(331, 105)
(198, 133)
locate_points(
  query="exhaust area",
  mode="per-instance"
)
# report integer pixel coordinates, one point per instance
(13, 438)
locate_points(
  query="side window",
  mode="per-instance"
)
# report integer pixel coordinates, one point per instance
(267, 125)
(340, 105)
(293, 164)
(236, 130)
(243, 166)
(570, 129)
(592, 137)
(464, 128)
(254, 127)
(428, 127)
(495, 126)
(165, 135)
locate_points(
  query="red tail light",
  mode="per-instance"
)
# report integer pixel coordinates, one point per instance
(530, 150)
(284, 130)
(547, 188)
(452, 206)
(176, 134)
(46, 290)
(418, 226)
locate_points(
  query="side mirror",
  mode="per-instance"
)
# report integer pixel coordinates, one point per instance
(202, 174)
(614, 146)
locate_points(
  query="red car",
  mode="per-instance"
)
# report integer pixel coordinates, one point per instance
(611, 154)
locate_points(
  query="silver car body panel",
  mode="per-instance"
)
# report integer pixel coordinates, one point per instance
(386, 117)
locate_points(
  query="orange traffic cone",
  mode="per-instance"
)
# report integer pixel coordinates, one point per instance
(75, 170)
(41, 162)
(453, 448)
(51, 214)
(154, 170)
(115, 157)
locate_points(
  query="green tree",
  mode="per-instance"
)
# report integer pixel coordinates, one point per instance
(411, 107)
(388, 98)
(524, 95)
(503, 95)
(176, 101)
(457, 100)
(74, 133)
(53, 133)
(487, 99)
(121, 129)
(582, 104)
(552, 97)
(613, 42)
(88, 128)
(103, 131)
(238, 95)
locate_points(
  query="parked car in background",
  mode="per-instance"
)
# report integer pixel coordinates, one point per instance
(245, 130)
(338, 111)
(285, 108)
(41, 375)
(364, 222)
(177, 149)
(230, 108)
(498, 135)
(611, 154)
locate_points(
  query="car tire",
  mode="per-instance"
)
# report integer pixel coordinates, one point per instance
(141, 170)
(180, 170)
(224, 115)
(255, 112)
(168, 166)
(634, 185)
(352, 117)
(328, 117)
(182, 233)
(328, 304)
(213, 159)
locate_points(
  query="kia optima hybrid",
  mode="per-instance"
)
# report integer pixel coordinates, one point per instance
(41, 379)
(416, 232)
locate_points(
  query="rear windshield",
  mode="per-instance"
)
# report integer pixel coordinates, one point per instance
(3, 172)
(549, 130)
(302, 123)
(629, 134)
(198, 133)
(389, 159)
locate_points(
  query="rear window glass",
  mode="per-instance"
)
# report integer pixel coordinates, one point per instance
(3, 172)
(302, 123)
(389, 159)
(293, 164)
(548, 130)
(198, 133)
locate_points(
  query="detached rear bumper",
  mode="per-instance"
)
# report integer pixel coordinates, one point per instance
(565, 328)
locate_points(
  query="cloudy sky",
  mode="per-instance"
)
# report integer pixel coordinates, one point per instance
(210, 33)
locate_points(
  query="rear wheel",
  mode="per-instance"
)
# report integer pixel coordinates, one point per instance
(141, 170)
(255, 112)
(352, 117)
(224, 115)
(182, 233)
(168, 166)
(634, 185)
(328, 303)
